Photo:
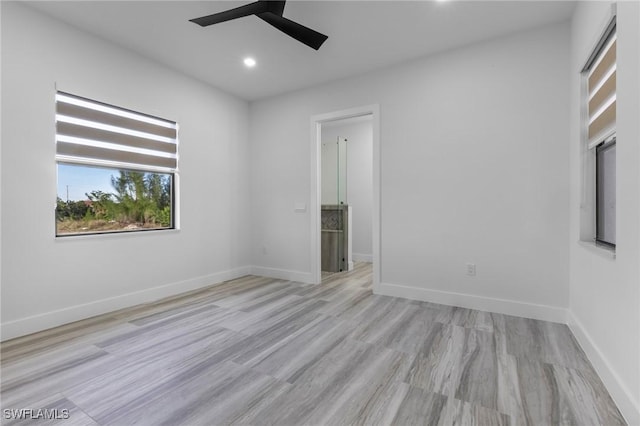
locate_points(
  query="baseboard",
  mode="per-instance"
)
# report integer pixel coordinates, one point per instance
(470, 301)
(283, 274)
(44, 321)
(359, 257)
(619, 392)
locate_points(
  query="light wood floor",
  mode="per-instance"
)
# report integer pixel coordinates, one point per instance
(264, 351)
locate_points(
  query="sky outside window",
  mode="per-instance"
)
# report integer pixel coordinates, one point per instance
(81, 180)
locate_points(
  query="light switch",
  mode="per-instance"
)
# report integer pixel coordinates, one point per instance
(471, 269)
(299, 207)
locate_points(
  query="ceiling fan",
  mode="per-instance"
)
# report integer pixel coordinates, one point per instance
(271, 12)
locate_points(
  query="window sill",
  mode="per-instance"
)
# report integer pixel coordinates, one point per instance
(601, 250)
(116, 235)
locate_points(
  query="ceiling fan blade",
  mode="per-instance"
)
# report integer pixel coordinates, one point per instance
(301, 33)
(239, 12)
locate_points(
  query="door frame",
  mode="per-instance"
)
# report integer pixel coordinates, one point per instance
(316, 182)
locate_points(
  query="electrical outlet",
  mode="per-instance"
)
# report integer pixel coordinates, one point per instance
(471, 269)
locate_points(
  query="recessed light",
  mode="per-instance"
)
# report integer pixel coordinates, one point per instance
(249, 62)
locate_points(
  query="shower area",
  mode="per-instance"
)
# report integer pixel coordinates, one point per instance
(336, 213)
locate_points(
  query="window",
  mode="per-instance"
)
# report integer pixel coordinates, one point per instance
(600, 73)
(116, 168)
(606, 193)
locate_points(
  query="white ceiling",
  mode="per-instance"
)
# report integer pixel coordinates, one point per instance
(363, 35)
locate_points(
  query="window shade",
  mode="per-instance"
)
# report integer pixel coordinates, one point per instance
(90, 132)
(602, 92)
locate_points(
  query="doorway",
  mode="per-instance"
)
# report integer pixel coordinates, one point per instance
(333, 122)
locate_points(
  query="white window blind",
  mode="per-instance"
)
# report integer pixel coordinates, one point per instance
(90, 132)
(601, 86)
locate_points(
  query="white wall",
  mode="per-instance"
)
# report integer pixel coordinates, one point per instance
(605, 291)
(48, 281)
(330, 170)
(474, 168)
(359, 133)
